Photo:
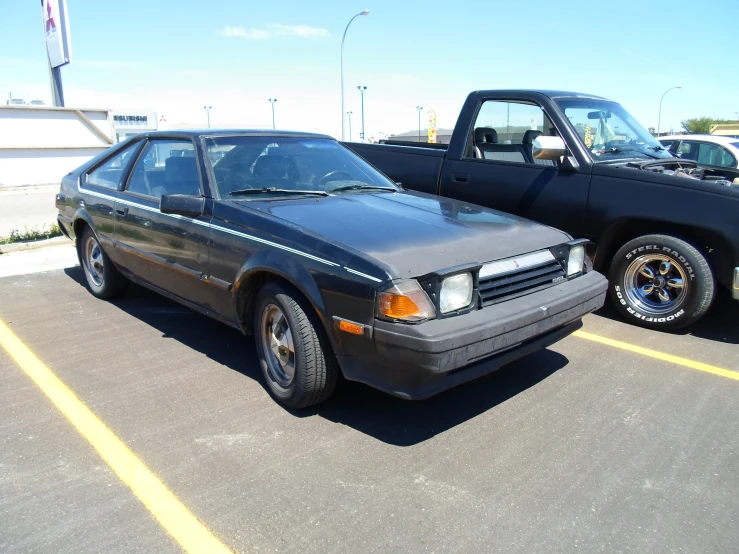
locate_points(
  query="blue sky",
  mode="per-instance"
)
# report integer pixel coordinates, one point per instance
(175, 57)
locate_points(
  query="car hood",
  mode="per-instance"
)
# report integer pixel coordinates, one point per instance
(412, 234)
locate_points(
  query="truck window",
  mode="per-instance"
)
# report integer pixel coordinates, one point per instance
(505, 130)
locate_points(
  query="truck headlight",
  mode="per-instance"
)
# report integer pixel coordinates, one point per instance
(576, 260)
(456, 292)
(405, 301)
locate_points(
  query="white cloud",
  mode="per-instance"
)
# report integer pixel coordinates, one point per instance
(303, 31)
(274, 30)
(248, 34)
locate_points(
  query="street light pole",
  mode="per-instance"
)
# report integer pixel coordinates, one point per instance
(659, 117)
(365, 12)
(361, 91)
(207, 110)
(419, 108)
(350, 125)
(272, 101)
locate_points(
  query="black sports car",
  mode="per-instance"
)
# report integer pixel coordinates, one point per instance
(331, 266)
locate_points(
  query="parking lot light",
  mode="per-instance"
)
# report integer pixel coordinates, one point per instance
(365, 12)
(659, 117)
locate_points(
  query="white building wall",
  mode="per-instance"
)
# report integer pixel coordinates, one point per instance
(40, 144)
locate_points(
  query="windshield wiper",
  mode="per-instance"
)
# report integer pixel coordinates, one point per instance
(247, 192)
(617, 150)
(362, 187)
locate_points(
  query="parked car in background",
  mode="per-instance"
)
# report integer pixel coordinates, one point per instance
(718, 155)
(666, 231)
(330, 265)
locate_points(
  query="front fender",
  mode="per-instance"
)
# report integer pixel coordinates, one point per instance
(279, 264)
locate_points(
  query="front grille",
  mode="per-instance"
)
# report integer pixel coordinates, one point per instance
(521, 281)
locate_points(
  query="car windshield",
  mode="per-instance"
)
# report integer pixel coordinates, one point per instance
(255, 167)
(608, 131)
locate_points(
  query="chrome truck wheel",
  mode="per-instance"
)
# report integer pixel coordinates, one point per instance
(661, 282)
(656, 284)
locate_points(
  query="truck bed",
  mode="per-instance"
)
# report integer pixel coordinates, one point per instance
(415, 167)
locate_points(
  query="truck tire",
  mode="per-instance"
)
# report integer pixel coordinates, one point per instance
(296, 358)
(661, 282)
(103, 278)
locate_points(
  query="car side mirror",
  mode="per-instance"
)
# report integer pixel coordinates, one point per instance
(182, 204)
(548, 148)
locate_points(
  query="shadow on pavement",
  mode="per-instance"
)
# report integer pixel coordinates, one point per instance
(384, 417)
(720, 324)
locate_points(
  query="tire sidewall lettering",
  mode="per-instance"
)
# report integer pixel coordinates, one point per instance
(674, 254)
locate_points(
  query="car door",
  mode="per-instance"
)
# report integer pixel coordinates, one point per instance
(717, 160)
(168, 251)
(99, 189)
(498, 170)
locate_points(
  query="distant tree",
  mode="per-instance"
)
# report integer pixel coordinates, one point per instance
(697, 125)
(701, 125)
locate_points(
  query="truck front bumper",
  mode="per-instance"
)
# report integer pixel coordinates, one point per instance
(418, 361)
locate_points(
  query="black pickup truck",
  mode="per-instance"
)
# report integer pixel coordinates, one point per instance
(665, 231)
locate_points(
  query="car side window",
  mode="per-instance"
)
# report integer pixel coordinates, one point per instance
(165, 167)
(708, 153)
(688, 150)
(504, 131)
(726, 159)
(109, 174)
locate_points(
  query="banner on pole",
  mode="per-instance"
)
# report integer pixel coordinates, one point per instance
(56, 31)
(432, 126)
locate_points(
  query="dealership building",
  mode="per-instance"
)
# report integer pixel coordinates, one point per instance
(127, 123)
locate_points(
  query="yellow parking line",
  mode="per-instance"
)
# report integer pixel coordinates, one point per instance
(176, 519)
(659, 355)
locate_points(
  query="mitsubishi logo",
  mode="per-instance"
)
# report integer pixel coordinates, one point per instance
(50, 24)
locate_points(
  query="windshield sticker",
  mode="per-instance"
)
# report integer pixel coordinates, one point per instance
(588, 136)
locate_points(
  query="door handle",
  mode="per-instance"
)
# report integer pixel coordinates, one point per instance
(461, 178)
(122, 211)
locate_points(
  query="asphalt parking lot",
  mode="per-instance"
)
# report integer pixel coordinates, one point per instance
(583, 447)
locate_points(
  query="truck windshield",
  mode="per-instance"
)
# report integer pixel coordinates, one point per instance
(608, 131)
(255, 167)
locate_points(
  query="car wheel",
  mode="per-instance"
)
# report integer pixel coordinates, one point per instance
(661, 282)
(103, 278)
(295, 356)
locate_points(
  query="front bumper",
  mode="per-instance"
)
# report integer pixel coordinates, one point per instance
(418, 361)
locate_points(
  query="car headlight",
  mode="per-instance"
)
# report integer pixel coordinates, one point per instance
(405, 301)
(576, 260)
(456, 293)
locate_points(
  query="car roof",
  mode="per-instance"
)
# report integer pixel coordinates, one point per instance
(197, 133)
(717, 139)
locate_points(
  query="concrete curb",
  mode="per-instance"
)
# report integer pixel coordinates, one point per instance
(28, 188)
(33, 245)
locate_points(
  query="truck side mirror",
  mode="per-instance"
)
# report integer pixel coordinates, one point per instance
(548, 148)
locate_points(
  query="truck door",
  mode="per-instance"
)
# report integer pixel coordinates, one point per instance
(497, 168)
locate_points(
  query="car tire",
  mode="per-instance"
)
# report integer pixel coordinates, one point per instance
(103, 278)
(295, 356)
(661, 282)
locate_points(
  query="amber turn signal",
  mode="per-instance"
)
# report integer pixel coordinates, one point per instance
(404, 301)
(352, 328)
(396, 306)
